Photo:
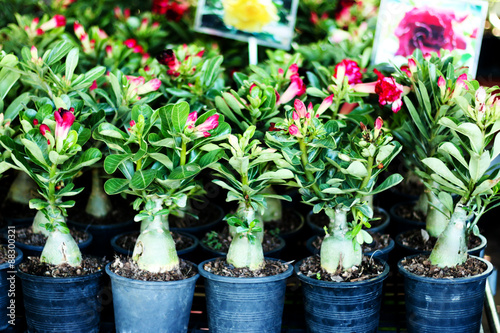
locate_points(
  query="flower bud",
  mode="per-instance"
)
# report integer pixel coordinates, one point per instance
(412, 65)
(327, 102)
(294, 130)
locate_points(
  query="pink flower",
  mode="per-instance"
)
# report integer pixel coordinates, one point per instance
(412, 65)
(293, 130)
(43, 130)
(174, 10)
(300, 108)
(441, 82)
(132, 123)
(292, 70)
(296, 88)
(378, 126)
(327, 102)
(151, 85)
(461, 81)
(428, 29)
(168, 58)
(79, 30)
(191, 119)
(102, 34)
(35, 121)
(130, 43)
(109, 51)
(349, 68)
(55, 22)
(64, 119)
(138, 49)
(209, 124)
(314, 18)
(389, 92)
(406, 70)
(93, 86)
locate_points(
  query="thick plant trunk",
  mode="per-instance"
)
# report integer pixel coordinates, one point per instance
(38, 224)
(154, 249)
(22, 189)
(61, 248)
(435, 222)
(243, 252)
(274, 210)
(337, 251)
(98, 204)
(248, 214)
(451, 247)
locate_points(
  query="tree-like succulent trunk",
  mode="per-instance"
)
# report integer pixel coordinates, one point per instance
(242, 251)
(61, 248)
(337, 251)
(22, 189)
(154, 249)
(99, 204)
(39, 224)
(451, 247)
(248, 214)
(436, 221)
(274, 210)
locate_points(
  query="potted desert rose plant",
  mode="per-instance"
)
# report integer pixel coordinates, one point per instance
(447, 287)
(334, 172)
(159, 155)
(52, 153)
(244, 283)
(436, 83)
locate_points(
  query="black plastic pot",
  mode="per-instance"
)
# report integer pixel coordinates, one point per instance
(317, 230)
(444, 305)
(401, 224)
(252, 305)
(6, 280)
(62, 304)
(200, 231)
(151, 306)
(342, 307)
(36, 250)
(102, 235)
(184, 253)
(381, 254)
(209, 253)
(405, 251)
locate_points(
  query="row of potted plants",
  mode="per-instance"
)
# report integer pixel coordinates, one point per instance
(160, 129)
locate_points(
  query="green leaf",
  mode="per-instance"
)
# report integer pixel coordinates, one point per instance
(357, 169)
(38, 204)
(89, 78)
(35, 151)
(442, 170)
(71, 62)
(17, 105)
(56, 158)
(478, 165)
(279, 174)
(58, 52)
(163, 159)
(179, 115)
(470, 130)
(451, 149)
(115, 186)
(447, 201)
(142, 179)
(416, 118)
(112, 162)
(389, 182)
(485, 187)
(184, 172)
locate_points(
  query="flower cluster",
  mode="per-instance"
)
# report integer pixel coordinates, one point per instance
(37, 29)
(202, 129)
(137, 86)
(174, 10)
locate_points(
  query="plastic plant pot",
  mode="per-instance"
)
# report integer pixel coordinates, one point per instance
(252, 305)
(402, 224)
(68, 304)
(444, 305)
(151, 306)
(342, 307)
(5, 286)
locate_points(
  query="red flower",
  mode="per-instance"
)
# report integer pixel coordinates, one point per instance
(389, 92)
(168, 58)
(93, 86)
(43, 130)
(272, 128)
(428, 30)
(173, 10)
(296, 88)
(351, 70)
(130, 43)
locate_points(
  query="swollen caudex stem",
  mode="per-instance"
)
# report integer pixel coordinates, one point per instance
(248, 214)
(245, 250)
(60, 247)
(38, 224)
(154, 249)
(436, 221)
(451, 247)
(337, 251)
(98, 204)
(274, 210)
(22, 189)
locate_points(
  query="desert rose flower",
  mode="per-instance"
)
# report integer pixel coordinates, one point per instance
(327, 102)
(64, 119)
(44, 130)
(93, 86)
(130, 43)
(173, 10)
(296, 88)
(349, 68)
(428, 29)
(191, 120)
(55, 22)
(168, 58)
(249, 15)
(300, 109)
(201, 130)
(390, 92)
(294, 130)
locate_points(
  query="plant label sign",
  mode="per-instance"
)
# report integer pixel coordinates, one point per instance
(429, 25)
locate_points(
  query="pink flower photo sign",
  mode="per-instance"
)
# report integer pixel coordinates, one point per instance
(429, 25)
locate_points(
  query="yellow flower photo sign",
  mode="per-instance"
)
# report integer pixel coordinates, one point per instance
(269, 22)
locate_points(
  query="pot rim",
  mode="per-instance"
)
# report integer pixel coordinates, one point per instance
(223, 254)
(342, 285)
(81, 245)
(460, 280)
(131, 281)
(239, 280)
(406, 247)
(17, 259)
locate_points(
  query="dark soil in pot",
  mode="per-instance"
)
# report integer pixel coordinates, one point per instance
(290, 223)
(408, 212)
(220, 267)
(421, 266)
(90, 265)
(220, 241)
(368, 269)
(127, 241)
(321, 220)
(26, 236)
(415, 240)
(380, 241)
(125, 267)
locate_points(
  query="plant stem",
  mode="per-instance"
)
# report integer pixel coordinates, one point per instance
(309, 175)
(369, 169)
(183, 152)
